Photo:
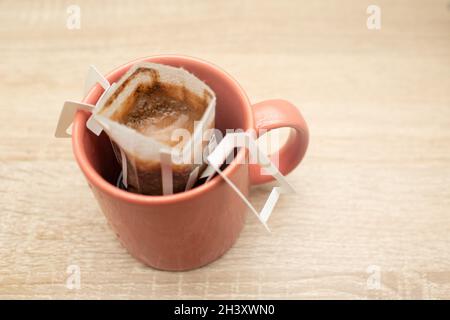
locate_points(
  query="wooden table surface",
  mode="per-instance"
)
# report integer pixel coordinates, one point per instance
(372, 215)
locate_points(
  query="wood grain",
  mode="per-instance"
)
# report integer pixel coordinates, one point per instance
(373, 190)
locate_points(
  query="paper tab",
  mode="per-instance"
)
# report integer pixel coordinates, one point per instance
(93, 77)
(66, 117)
(70, 107)
(192, 179)
(246, 140)
(166, 172)
(209, 171)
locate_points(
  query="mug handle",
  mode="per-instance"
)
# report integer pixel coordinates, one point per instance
(273, 114)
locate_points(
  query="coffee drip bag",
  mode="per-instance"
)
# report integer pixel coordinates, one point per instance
(157, 118)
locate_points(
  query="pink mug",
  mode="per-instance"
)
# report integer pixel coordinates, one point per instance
(189, 229)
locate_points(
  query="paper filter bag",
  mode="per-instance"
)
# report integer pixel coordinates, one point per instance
(143, 113)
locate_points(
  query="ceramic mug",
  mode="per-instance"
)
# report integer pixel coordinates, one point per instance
(188, 229)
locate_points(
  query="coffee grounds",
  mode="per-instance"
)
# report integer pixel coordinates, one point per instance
(158, 110)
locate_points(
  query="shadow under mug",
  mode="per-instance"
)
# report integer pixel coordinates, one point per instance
(189, 229)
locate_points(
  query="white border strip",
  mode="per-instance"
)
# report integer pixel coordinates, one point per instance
(166, 171)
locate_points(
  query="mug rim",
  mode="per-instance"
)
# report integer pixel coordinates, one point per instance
(79, 127)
